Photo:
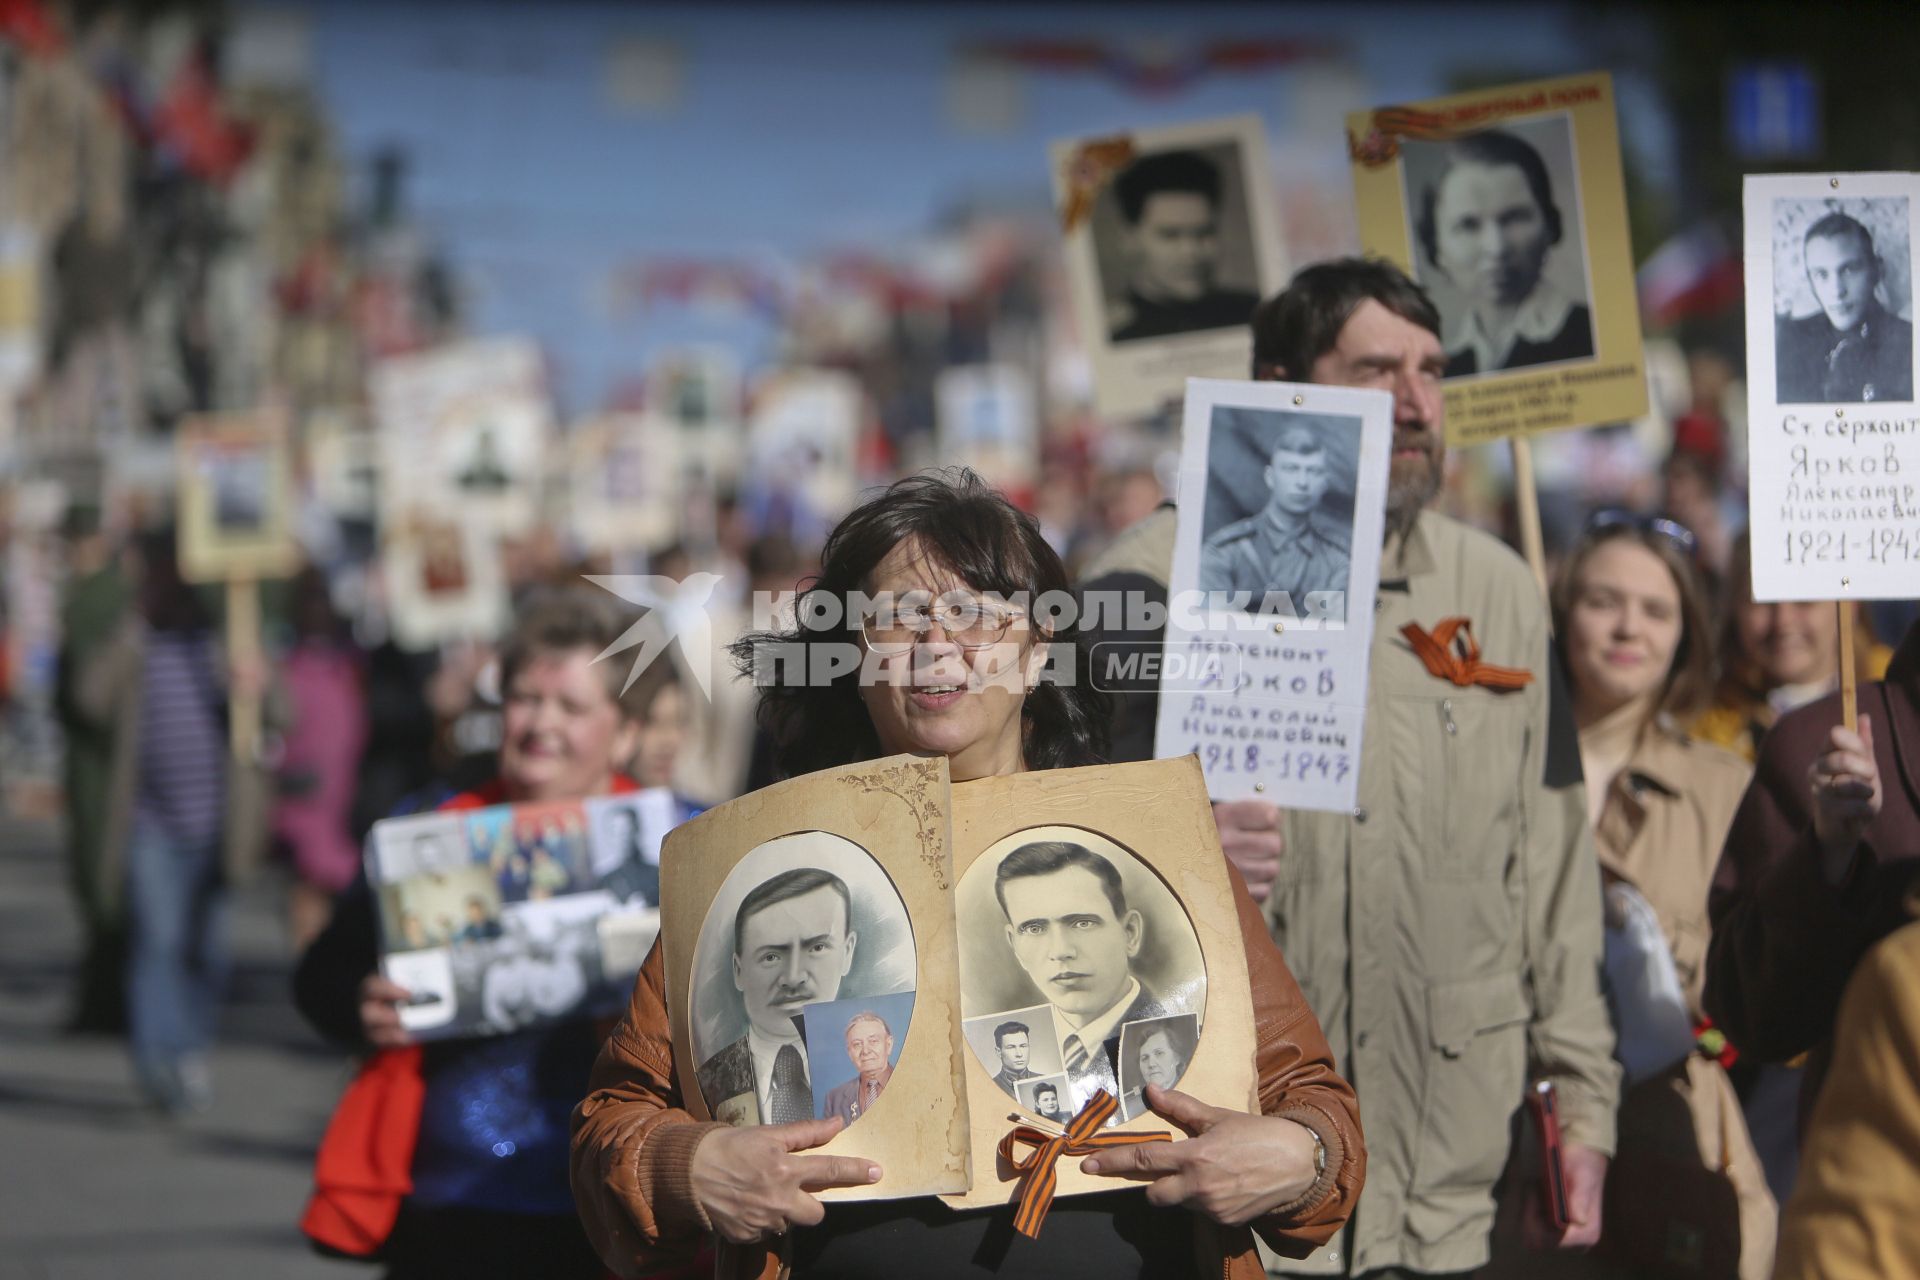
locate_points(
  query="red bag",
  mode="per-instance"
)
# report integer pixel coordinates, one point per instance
(365, 1165)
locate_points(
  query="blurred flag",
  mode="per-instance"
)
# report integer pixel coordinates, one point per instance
(1696, 273)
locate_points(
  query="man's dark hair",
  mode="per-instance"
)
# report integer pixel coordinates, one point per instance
(1835, 225)
(1184, 171)
(968, 528)
(1044, 857)
(1300, 324)
(781, 888)
(1006, 1029)
(1488, 147)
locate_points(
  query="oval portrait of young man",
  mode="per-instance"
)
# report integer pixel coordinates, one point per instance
(1066, 939)
(805, 920)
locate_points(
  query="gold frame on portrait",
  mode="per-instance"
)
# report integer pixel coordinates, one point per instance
(1157, 810)
(897, 810)
(206, 553)
(1610, 386)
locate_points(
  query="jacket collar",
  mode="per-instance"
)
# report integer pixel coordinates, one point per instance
(1411, 558)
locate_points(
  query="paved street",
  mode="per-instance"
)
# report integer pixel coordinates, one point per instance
(94, 1185)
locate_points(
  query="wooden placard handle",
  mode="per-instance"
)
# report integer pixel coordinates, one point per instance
(1849, 695)
(243, 647)
(1526, 503)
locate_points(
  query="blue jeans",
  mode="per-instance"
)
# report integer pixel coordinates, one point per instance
(177, 958)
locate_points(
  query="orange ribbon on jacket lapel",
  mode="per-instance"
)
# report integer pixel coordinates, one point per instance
(1460, 662)
(1082, 1138)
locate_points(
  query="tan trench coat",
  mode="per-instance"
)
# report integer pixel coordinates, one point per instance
(1448, 932)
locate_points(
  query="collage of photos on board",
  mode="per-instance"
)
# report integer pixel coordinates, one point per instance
(804, 982)
(513, 916)
(1079, 971)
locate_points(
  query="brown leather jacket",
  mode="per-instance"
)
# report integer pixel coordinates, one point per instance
(633, 1141)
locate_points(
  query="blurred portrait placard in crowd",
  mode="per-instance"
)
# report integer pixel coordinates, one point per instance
(442, 577)
(1093, 906)
(1509, 207)
(809, 951)
(1833, 452)
(343, 465)
(465, 428)
(1282, 496)
(803, 447)
(624, 482)
(500, 919)
(236, 499)
(985, 417)
(1172, 239)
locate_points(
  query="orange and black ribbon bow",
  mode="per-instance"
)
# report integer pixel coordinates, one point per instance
(1038, 1176)
(1452, 654)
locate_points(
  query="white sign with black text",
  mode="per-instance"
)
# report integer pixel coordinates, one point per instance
(1832, 427)
(1282, 501)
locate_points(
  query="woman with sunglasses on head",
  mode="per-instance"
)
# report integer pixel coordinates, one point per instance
(954, 667)
(1631, 624)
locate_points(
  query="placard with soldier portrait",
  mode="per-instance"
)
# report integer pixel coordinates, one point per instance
(1831, 452)
(1281, 495)
(1172, 240)
(1509, 208)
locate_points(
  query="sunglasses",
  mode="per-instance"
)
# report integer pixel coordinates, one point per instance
(1611, 518)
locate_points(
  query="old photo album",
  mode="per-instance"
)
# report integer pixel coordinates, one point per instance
(938, 963)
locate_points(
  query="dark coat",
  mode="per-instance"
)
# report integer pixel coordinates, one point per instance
(1814, 363)
(1784, 941)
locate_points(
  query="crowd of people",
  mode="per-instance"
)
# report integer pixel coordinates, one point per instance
(1602, 842)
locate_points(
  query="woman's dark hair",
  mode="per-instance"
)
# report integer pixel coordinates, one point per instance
(1488, 147)
(1295, 327)
(966, 527)
(1689, 684)
(168, 601)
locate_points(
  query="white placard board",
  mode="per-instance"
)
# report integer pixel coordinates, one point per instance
(1282, 497)
(1833, 433)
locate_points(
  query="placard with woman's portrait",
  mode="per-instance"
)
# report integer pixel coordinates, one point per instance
(1508, 207)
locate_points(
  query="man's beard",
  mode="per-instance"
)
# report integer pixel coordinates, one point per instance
(1409, 493)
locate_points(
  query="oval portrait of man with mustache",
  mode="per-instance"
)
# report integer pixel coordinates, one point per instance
(1072, 938)
(807, 919)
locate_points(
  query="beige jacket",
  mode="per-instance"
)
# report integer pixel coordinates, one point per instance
(1448, 931)
(1665, 818)
(1852, 1212)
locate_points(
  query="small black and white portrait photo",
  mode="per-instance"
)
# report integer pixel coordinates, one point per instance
(1154, 1051)
(1015, 1045)
(1173, 237)
(624, 849)
(1068, 918)
(1278, 523)
(1499, 244)
(805, 919)
(240, 478)
(1842, 300)
(1046, 1097)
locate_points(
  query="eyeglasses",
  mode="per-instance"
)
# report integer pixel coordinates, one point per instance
(969, 624)
(1611, 518)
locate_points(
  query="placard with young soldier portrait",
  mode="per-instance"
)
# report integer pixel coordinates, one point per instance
(1830, 390)
(1172, 240)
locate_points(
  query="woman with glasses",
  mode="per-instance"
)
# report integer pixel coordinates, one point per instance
(951, 637)
(1631, 624)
